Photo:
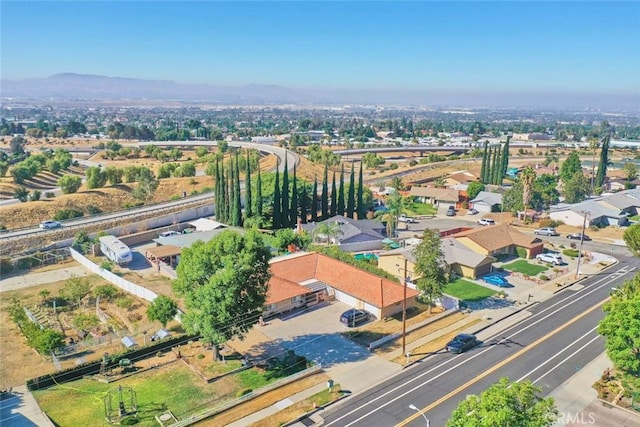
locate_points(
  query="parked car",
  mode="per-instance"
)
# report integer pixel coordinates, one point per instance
(451, 211)
(472, 211)
(578, 236)
(407, 219)
(494, 279)
(461, 343)
(546, 231)
(45, 225)
(486, 221)
(354, 316)
(552, 258)
(168, 234)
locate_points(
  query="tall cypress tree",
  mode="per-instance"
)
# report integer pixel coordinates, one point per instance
(237, 195)
(284, 211)
(229, 189)
(259, 194)
(224, 197)
(340, 209)
(293, 215)
(334, 197)
(218, 195)
(304, 203)
(483, 170)
(324, 201)
(351, 200)
(314, 200)
(497, 172)
(505, 157)
(361, 208)
(248, 201)
(277, 202)
(492, 165)
(604, 156)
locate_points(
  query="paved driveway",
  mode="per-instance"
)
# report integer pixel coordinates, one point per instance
(315, 334)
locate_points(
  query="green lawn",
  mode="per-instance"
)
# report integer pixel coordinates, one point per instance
(467, 291)
(422, 209)
(175, 388)
(524, 267)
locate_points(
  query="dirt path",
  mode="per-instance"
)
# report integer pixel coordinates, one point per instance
(41, 278)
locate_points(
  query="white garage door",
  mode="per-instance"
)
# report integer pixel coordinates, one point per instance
(348, 299)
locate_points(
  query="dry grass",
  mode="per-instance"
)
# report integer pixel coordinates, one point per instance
(434, 345)
(424, 331)
(265, 400)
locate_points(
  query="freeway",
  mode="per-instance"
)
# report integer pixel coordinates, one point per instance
(547, 347)
(282, 154)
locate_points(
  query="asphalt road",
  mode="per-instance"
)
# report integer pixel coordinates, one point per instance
(558, 338)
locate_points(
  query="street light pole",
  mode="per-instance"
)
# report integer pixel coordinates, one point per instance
(415, 408)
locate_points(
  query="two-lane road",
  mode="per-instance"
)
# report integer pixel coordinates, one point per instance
(547, 347)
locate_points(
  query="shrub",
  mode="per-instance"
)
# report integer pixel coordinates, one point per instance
(570, 252)
(200, 356)
(521, 252)
(546, 222)
(412, 162)
(49, 194)
(243, 392)
(543, 277)
(393, 166)
(174, 197)
(67, 213)
(106, 265)
(93, 210)
(6, 266)
(133, 204)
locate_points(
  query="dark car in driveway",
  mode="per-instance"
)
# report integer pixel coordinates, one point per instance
(461, 343)
(354, 316)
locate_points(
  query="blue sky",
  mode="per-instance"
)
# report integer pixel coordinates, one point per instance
(569, 46)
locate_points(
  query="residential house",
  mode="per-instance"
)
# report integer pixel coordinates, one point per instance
(627, 201)
(486, 202)
(284, 295)
(321, 274)
(597, 212)
(435, 196)
(499, 239)
(460, 178)
(460, 260)
(353, 235)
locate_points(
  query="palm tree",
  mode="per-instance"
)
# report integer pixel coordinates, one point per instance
(527, 177)
(397, 184)
(396, 205)
(327, 231)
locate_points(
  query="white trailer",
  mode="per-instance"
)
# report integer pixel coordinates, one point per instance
(115, 250)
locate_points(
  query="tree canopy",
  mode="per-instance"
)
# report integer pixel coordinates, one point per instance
(473, 189)
(505, 404)
(224, 284)
(570, 166)
(430, 266)
(631, 237)
(162, 309)
(621, 327)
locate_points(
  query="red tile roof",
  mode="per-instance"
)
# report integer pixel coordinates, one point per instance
(360, 284)
(282, 289)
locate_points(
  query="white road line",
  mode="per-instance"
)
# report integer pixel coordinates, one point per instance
(550, 358)
(571, 297)
(567, 358)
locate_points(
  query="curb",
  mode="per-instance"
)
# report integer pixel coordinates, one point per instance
(618, 407)
(318, 409)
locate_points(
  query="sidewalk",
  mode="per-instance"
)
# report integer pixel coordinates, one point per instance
(577, 401)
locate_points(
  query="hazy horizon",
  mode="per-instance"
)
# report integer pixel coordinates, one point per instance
(498, 53)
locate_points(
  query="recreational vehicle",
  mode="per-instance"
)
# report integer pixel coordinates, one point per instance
(115, 250)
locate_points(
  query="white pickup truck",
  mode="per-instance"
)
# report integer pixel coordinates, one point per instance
(407, 219)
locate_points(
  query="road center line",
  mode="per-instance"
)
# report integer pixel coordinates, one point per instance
(500, 364)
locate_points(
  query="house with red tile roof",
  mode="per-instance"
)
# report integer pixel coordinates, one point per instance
(323, 275)
(284, 295)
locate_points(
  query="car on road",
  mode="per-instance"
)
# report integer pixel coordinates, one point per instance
(461, 343)
(578, 236)
(472, 211)
(407, 219)
(46, 225)
(169, 234)
(494, 279)
(451, 211)
(486, 221)
(546, 231)
(354, 316)
(551, 258)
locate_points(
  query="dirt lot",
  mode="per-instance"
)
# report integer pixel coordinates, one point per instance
(20, 362)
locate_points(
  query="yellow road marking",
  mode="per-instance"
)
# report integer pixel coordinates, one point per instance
(498, 366)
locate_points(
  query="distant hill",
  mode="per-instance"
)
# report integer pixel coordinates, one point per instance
(70, 86)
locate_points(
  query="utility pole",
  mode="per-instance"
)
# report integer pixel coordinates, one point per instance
(584, 224)
(404, 307)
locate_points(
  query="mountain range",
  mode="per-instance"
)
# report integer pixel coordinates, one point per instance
(72, 86)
